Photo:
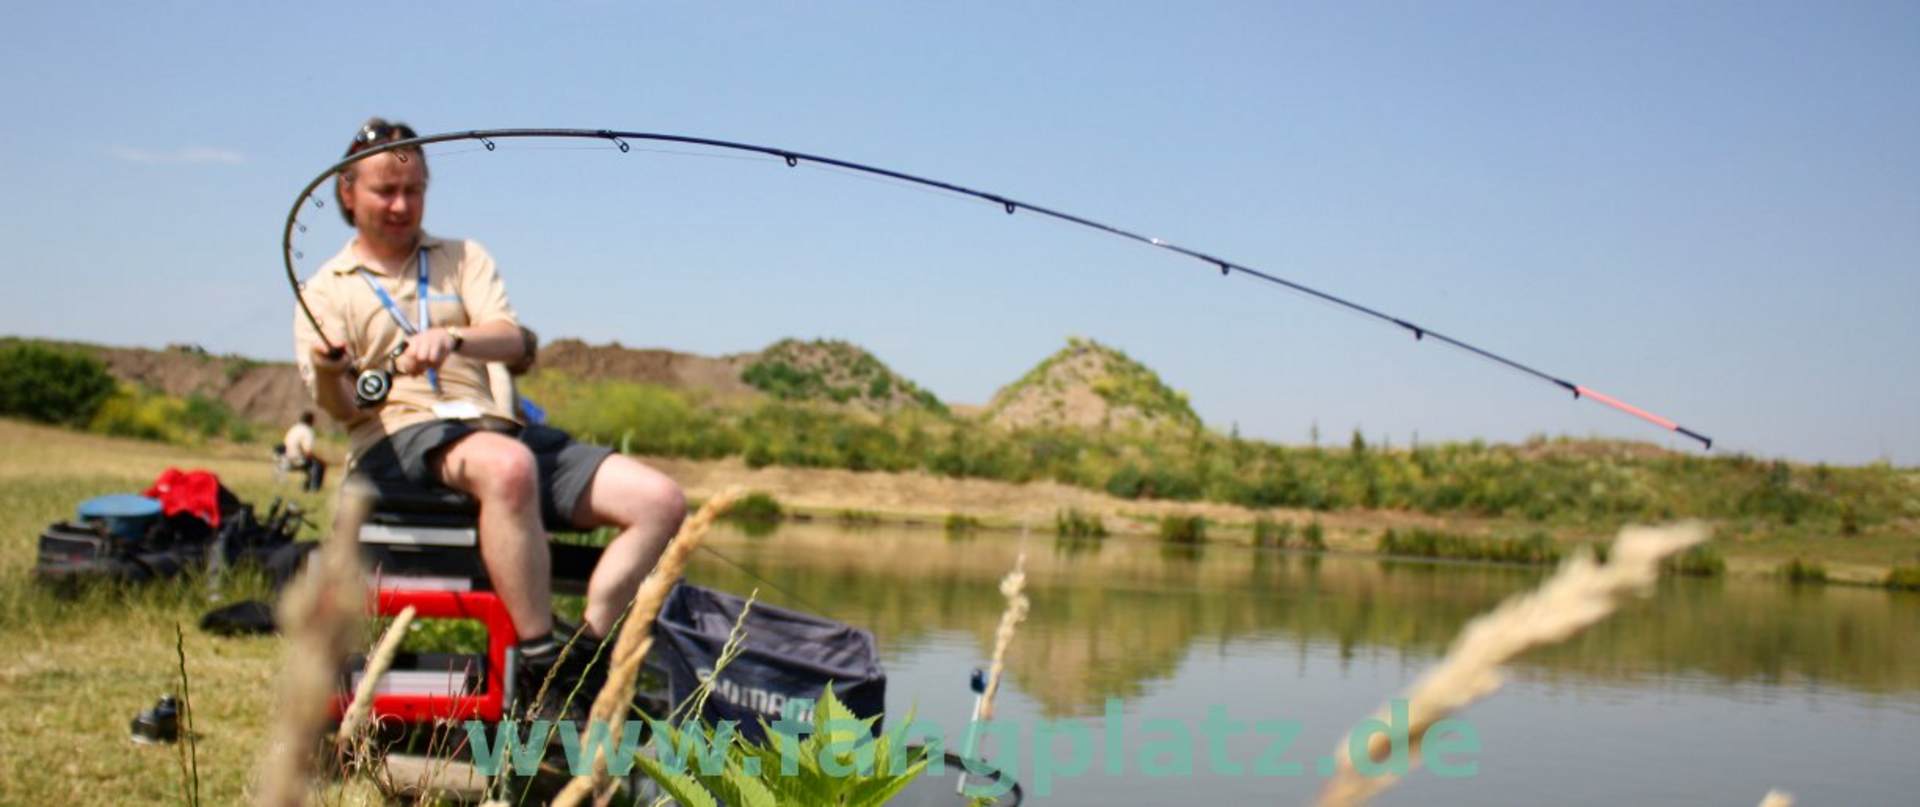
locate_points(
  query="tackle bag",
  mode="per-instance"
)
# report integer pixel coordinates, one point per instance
(786, 656)
(114, 550)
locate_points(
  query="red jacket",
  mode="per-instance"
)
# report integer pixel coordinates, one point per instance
(196, 492)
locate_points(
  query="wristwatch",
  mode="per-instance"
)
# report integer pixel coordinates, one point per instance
(458, 338)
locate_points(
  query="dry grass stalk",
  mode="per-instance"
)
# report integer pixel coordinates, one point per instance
(1776, 798)
(1580, 594)
(377, 665)
(635, 639)
(320, 615)
(736, 644)
(1014, 588)
(189, 750)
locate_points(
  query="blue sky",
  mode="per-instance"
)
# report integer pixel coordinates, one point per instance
(1711, 210)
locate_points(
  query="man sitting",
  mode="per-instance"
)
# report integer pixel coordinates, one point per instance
(296, 453)
(394, 283)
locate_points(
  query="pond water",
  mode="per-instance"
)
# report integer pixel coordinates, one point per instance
(1708, 692)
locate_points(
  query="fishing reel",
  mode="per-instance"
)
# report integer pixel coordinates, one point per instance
(371, 386)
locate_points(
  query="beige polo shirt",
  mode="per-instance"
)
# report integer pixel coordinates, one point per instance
(463, 288)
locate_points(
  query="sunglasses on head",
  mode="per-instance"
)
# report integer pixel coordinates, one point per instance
(375, 133)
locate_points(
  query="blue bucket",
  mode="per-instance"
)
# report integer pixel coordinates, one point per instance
(127, 515)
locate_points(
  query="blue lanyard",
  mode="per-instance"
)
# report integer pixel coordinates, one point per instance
(426, 321)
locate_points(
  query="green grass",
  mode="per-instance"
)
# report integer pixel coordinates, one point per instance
(76, 666)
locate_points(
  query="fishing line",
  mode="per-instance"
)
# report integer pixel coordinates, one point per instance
(623, 141)
(797, 599)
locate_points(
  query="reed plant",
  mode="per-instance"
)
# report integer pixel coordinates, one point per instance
(635, 639)
(320, 614)
(1580, 594)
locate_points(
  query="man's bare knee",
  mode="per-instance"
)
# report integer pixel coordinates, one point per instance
(495, 470)
(666, 502)
(510, 476)
(652, 502)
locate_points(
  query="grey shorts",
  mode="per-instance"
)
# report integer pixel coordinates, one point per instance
(565, 467)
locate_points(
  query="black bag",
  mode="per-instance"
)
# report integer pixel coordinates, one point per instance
(66, 547)
(787, 656)
(245, 618)
(71, 554)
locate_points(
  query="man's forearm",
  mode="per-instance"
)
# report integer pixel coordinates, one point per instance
(333, 393)
(499, 340)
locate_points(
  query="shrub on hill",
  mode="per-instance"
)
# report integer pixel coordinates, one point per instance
(51, 386)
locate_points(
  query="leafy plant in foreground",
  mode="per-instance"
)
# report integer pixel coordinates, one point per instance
(838, 762)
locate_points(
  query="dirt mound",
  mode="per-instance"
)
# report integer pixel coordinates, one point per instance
(272, 393)
(1089, 385)
(837, 372)
(686, 371)
(259, 391)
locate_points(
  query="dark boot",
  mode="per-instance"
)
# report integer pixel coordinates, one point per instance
(160, 724)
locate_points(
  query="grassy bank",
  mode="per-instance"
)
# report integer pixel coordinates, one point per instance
(1553, 484)
(74, 671)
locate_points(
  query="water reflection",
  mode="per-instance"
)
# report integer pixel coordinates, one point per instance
(1112, 617)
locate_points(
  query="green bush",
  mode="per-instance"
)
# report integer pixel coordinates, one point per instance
(1905, 577)
(757, 507)
(1266, 531)
(1071, 523)
(1183, 529)
(1804, 571)
(211, 417)
(784, 381)
(52, 386)
(1601, 550)
(961, 524)
(140, 414)
(1314, 536)
(1700, 561)
(1424, 543)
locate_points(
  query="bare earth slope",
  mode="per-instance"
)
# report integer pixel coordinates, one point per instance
(1090, 386)
(271, 392)
(686, 371)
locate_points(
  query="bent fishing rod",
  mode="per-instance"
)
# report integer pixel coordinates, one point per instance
(621, 140)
